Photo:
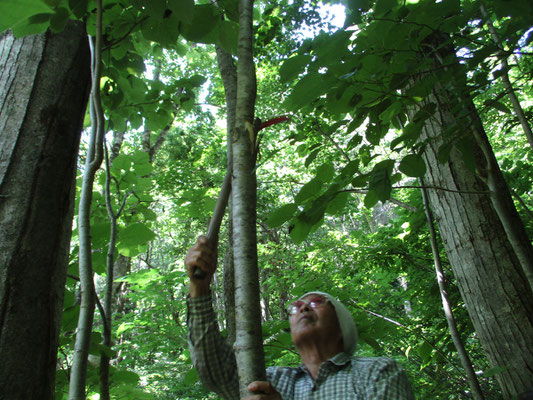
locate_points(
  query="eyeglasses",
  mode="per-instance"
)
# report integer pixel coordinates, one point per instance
(315, 302)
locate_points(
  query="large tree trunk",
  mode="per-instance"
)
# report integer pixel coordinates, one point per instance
(44, 86)
(488, 271)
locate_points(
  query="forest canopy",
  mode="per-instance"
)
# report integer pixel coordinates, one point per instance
(393, 162)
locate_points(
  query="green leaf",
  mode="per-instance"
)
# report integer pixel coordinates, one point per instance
(494, 371)
(466, 148)
(293, 67)
(182, 9)
(15, 12)
(336, 206)
(424, 351)
(139, 157)
(349, 169)
(309, 190)
(311, 157)
(371, 199)
(228, 33)
(100, 234)
(96, 338)
(410, 134)
(99, 260)
(498, 106)
(141, 278)
(424, 113)
(197, 80)
(360, 181)
(383, 7)
(69, 319)
(380, 180)
(279, 216)
(413, 165)
(300, 231)
(135, 234)
(389, 113)
(325, 172)
(329, 48)
(162, 29)
(78, 7)
(128, 378)
(200, 28)
(231, 8)
(124, 327)
(375, 132)
(310, 87)
(191, 377)
(59, 20)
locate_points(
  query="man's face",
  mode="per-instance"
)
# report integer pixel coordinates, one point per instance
(315, 324)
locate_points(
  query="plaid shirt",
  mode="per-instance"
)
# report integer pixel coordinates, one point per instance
(340, 378)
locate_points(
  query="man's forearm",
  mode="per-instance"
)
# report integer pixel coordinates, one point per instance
(212, 356)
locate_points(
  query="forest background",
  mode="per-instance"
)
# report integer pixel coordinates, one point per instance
(376, 107)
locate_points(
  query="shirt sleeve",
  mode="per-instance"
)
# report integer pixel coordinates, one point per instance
(212, 357)
(389, 382)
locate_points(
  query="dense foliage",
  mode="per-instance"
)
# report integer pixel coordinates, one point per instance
(339, 207)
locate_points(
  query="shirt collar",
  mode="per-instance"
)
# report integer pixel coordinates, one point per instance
(339, 359)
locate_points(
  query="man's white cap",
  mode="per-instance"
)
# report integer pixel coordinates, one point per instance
(346, 322)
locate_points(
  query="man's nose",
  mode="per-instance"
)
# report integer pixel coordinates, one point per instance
(305, 307)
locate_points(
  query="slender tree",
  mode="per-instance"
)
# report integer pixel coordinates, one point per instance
(509, 90)
(248, 343)
(92, 164)
(44, 86)
(228, 72)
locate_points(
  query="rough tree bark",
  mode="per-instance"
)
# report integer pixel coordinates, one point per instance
(44, 86)
(248, 343)
(446, 306)
(488, 270)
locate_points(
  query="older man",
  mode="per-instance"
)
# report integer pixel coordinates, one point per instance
(323, 332)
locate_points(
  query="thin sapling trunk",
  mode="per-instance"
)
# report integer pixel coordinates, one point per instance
(92, 163)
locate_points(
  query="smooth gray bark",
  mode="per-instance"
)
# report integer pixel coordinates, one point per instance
(92, 164)
(249, 342)
(228, 72)
(44, 86)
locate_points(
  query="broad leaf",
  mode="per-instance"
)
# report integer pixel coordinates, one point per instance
(325, 172)
(135, 234)
(498, 106)
(279, 216)
(413, 165)
(336, 206)
(300, 231)
(371, 199)
(293, 67)
(228, 34)
(380, 180)
(307, 90)
(14, 12)
(182, 9)
(309, 190)
(78, 7)
(200, 28)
